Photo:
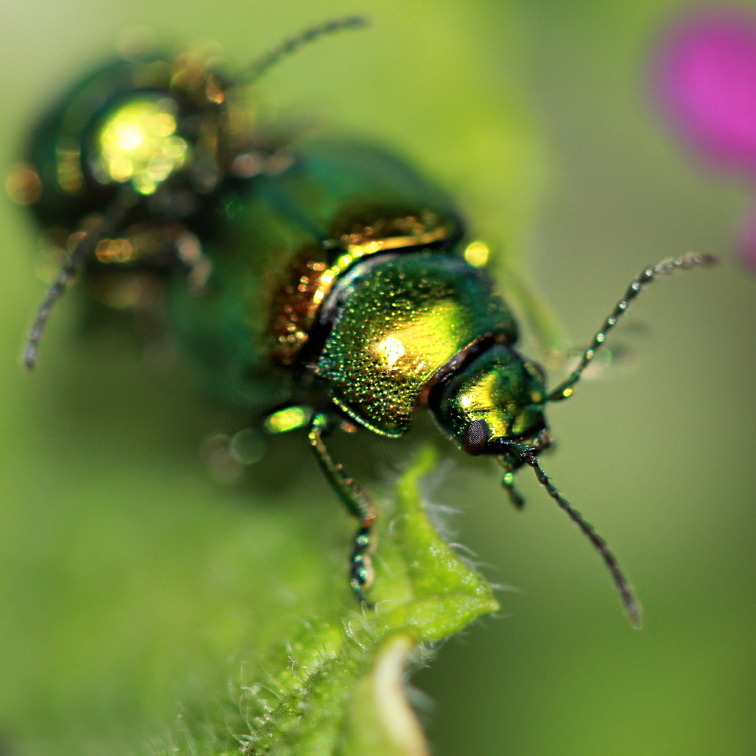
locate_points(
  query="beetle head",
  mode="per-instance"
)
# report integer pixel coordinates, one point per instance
(494, 405)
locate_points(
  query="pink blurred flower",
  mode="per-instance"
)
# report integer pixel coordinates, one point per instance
(706, 84)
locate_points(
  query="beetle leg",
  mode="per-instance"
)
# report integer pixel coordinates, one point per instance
(357, 502)
(518, 502)
(685, 262)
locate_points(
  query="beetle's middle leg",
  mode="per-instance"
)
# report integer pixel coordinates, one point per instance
(357, 502)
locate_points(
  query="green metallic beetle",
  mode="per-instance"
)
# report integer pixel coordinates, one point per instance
(374, 313)
(311, 284)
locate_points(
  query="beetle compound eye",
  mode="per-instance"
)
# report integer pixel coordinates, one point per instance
(476, 438)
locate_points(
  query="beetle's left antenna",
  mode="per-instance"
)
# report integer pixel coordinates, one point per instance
(287, 47)
(685, 262)
(632, 607)
(85, 248)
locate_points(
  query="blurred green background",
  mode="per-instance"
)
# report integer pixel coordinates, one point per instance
(120, 584)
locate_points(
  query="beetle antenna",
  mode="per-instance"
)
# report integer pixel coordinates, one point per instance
(85, 247)
(261, 66)
(630, 603)
(685, 262)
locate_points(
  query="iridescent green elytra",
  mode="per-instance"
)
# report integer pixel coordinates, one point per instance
(309, 283)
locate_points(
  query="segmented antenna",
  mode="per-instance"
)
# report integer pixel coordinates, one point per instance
(632, 607)
(685, 262)
(291, 45)
(85, 248)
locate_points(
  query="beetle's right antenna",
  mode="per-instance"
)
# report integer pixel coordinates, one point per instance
(685, 262)
(632, 607)
(85, 248)
(286, 48)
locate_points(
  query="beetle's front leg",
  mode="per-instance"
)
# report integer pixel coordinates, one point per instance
(357, 502)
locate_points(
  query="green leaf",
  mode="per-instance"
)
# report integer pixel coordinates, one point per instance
(334, 683)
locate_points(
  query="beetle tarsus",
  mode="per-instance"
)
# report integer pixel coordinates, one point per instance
(362, 568)
(515, 497)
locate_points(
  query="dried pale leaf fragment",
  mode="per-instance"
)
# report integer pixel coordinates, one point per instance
(379, 720)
